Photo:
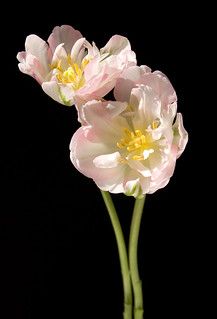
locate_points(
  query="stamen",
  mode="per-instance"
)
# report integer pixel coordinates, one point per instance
(137, 145)
(74, 74)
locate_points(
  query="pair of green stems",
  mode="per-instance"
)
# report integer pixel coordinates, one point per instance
(129, 267)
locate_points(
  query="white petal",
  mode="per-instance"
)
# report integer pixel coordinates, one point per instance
(108, 160)
(133, 188)
(77, 48)
(38, 48)
(60, 55)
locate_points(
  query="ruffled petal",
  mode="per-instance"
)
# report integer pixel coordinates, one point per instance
(30, 65)
(180, 134)
(159, 83)
(163, 178)
(39, 49)
(103, 116)
(83, 152)
(164, 90)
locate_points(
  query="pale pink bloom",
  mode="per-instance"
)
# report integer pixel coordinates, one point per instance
(131, 146)
(70, 69)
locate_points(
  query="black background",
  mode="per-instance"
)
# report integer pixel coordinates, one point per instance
(58, 250)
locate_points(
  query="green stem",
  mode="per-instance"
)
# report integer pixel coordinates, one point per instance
(122, 255)
(133, 259)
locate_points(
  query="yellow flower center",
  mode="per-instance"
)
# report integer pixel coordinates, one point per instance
(137, 145)
(74, 74)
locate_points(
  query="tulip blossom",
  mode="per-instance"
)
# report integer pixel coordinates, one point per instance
(70, 69)
(130, 146)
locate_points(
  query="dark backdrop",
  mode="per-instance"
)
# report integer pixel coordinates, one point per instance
(59, 254)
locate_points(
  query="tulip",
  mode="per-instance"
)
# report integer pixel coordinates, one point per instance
(70, 69)
(131, 146)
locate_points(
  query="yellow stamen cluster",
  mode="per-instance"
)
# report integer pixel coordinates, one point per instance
(135, 143)
(74, 74)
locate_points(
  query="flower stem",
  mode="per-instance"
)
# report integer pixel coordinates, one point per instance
(122, 255)
(133, 259)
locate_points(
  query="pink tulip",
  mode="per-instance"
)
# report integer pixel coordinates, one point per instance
(131, 146)
(70, 69)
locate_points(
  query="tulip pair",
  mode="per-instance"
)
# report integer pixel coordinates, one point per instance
(129, 145)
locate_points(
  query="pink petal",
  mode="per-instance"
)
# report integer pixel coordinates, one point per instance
(103, 70)
(103, 116)
(128, 80)
(83, 152)
(163, 179)
(64, 34)
(98, 86)
(165, 91)
(21, 56)
(30, 65)
(159, 83)
(180, 134)
(92, 69)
